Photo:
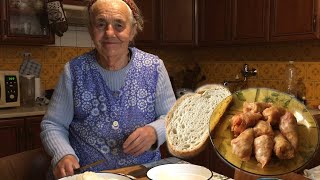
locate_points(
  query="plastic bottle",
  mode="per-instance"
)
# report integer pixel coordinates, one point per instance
(291, 79)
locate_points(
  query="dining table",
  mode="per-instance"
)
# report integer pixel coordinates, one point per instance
(139, 172)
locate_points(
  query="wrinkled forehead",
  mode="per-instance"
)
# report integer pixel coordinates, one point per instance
(110, 6)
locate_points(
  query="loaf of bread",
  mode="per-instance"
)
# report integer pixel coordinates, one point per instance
(187, 123)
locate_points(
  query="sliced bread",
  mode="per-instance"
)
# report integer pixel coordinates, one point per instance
(187, 123)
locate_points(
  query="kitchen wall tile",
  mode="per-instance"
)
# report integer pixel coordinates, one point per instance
(301, 70)
(310, 90)
(280, 71)
(9, 66)
(14, 54)
(82, 50)
(57, 41)
(69, 39)
(313, 71)
(68, 53)
(47, 72)
(217, 64)
(266, 71)
(37, 53)
(53, 55)
(317, 91)
(83, 39)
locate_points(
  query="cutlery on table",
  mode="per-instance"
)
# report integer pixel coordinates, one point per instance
(81, 169)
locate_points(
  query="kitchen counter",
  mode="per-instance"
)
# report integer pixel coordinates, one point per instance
(22, 111)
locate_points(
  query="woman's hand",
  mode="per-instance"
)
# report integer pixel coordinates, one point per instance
(65, 166)
(140, 140)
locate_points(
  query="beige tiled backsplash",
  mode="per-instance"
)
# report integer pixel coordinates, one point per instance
(217, 64)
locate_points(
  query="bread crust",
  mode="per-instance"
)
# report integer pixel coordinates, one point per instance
(215, 116)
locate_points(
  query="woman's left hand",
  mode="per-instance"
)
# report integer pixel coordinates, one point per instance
(140, 140)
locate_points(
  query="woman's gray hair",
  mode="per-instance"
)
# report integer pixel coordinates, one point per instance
(136, 13)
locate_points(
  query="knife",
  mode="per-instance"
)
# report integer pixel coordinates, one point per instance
(81, 169)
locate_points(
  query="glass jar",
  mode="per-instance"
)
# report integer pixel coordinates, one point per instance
(27, 84)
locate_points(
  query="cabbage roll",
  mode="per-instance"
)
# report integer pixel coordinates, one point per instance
(263, 146)
(282, 147)
(242, 145)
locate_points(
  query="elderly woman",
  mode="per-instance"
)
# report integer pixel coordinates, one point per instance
(109, 103)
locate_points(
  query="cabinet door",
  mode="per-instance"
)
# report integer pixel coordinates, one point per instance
(33, 130)
(293, 19)
(214, 21)
(12, 136)
(25, 22)
(150, 33)
(250, 20)
(178, 20)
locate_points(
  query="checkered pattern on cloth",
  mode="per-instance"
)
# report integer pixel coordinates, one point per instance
(31, 67)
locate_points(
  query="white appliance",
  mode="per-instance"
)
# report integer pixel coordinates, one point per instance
(9, 89)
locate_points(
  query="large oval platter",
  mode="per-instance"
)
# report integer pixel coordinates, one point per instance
(308, 133)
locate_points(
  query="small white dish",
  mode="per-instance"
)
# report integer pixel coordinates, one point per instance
(179, 172)
(103, 175)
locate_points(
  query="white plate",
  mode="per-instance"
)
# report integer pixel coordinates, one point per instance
(103, 175)
(179, 172)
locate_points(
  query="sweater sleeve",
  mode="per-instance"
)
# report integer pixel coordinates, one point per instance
(164, 101)
(55, 124)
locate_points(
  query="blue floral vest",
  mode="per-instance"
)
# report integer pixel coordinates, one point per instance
(103, 119)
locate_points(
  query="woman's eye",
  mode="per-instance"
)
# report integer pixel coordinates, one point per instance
(101, 25)
(119, 26)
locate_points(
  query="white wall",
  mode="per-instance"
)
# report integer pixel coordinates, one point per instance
(74, 37)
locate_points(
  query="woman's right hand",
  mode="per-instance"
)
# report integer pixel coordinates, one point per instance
(65, 166)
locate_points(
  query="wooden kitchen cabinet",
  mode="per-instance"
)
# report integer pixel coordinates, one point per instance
(250, 20)
(294, 20)
(24, 22)
(177, 22)
(214, 22)
(19, 134)
(150, 33)
(11, 134)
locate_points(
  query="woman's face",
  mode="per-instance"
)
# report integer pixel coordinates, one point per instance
(111, 27)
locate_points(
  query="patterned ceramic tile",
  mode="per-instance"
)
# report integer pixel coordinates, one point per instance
(280, 71)
(58, 68)
(310, 90)
(68, 53)
(9, 66)
(313, 71)
(14, 54)
(317, 91)
(82, 50)
(53, 55)
(302, 70)
(51, 84)
(266, 71)
(47, 71)
(37, 53)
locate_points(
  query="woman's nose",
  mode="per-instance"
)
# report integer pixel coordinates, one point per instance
(109, 31)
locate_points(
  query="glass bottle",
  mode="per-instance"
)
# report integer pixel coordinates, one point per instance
(291, 73)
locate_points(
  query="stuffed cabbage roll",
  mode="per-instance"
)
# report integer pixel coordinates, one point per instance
(282, 147)
(263, 146)
(242, 145)
(242, 121)
(273, 114)
(289, 128)
(261, 128)
(255, 107)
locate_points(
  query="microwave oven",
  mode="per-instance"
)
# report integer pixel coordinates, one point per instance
(9, 89)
